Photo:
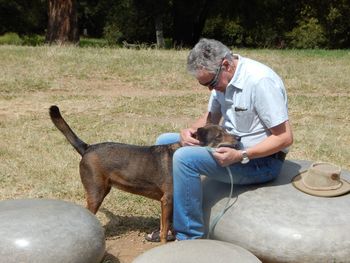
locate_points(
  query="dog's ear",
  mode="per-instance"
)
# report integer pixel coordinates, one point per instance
(195, 134)
(213, 118)
(208, 120)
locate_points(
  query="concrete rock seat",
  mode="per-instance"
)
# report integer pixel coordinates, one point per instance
(279, 223)
(203, 251)
(43, 230)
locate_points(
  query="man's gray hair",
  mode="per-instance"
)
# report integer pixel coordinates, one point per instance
(207, 54)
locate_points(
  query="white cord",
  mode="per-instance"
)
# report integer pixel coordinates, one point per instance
(227, 205)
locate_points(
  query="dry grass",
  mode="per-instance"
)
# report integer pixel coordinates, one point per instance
(132, 96)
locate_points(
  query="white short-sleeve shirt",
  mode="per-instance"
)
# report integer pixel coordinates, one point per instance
(254, 101)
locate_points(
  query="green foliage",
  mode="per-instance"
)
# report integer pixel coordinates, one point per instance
(235, 34)
(93, 42)
(168, 43)
(338, 25)
(241, 23)
(234, 31)
(26, 40)
(33, 40)
(23, 17)
(129, 20)
(112, 34)
(231, 33)
(10, 39)
(308, 34)
(38, 40)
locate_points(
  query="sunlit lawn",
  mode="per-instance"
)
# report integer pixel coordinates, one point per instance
(132, 96)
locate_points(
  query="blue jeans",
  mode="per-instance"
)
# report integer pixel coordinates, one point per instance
(192, 161)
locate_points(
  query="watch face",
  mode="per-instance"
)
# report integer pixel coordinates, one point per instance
(245, 160)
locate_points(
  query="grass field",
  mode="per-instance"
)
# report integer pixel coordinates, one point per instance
(132, 96)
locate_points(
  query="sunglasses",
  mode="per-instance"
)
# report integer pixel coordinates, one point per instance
(214, 81)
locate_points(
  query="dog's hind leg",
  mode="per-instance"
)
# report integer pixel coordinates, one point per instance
(95, 197)
(96, 187)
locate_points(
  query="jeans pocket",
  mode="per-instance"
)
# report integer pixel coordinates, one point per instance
(267, 169)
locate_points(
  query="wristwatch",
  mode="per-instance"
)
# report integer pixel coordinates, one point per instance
(245, 158)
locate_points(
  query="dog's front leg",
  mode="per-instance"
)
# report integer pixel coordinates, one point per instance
(166, 216)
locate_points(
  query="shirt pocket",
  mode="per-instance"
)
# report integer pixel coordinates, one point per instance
(244, 119)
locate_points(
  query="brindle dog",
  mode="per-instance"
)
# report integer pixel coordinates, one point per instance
(142, 170)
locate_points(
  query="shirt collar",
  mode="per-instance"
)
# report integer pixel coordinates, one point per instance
(236, 80)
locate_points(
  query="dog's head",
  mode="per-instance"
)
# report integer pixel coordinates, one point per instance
(215, 136)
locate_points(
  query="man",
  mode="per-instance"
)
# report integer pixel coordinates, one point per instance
(250, 100)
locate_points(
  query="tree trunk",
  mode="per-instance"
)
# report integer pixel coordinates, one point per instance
(62, 22)
(159, 31)
(189, 20)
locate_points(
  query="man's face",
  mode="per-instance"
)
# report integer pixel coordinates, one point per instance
(217, 80)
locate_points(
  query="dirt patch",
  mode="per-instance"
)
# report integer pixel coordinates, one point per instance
(125, 234)
(126, 248)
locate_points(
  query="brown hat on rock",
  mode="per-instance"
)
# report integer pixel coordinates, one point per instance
(322, 179)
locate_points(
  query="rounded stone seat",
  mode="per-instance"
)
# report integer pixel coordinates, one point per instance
(203, 251)
(43, 230)
(278, 223)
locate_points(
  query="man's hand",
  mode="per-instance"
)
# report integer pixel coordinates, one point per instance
(226, 156)
(187, 138)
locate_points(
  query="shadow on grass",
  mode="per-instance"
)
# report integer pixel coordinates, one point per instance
(119, 225)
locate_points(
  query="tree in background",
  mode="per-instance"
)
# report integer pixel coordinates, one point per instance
(242, 23)
(62, 22)
(156, 10)
(126, 20)
(188, 20)
(140, 21)
(92, 16)
(251, 23)
(337, 24)
(22, 17)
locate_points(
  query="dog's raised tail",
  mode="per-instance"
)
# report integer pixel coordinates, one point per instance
(62, 125)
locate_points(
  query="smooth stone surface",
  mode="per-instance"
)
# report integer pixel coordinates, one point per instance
(279, 223)
(49, 231)
(192, 251)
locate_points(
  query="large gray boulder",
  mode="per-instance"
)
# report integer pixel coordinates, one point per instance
(49, 231)
(278, 223)
(203, 251)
